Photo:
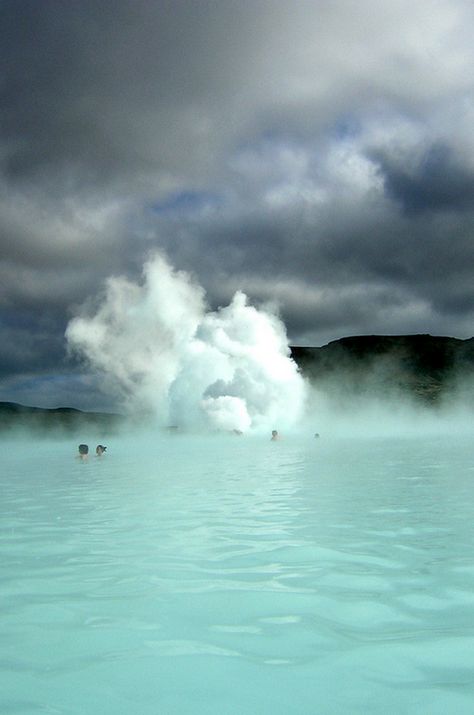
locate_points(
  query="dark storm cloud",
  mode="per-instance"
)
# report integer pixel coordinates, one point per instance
(102, 92)
(352, 267)
(316, 155)
(27, 343)
(437, 182)
(97, 92)
(351, 261)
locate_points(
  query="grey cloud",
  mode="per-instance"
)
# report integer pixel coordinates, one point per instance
(438, 181)
(28, 343)
(336, 247)
(96, 92)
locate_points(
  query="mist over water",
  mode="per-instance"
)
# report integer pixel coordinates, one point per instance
(374, 414)
(160, 350)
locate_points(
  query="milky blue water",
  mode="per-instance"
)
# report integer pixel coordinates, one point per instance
(232, 575)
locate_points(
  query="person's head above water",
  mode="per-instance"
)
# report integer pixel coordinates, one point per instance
(275, 434)
(100, 449)
(83, 451)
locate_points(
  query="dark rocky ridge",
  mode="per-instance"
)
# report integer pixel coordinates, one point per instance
(422, 366)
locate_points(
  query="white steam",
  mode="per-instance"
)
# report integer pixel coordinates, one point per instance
(158, 349)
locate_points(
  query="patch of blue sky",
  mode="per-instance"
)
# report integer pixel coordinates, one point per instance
(346, 126)
(273, 141)
(270, 140)
(187, 202)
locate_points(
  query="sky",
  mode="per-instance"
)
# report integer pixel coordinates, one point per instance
(318, 156)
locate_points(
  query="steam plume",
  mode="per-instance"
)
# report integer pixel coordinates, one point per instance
(158, 349)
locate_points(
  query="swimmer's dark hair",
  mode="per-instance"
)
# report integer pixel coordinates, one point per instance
(83, 449)
(100, 446)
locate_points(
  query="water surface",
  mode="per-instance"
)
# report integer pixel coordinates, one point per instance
(225, 575)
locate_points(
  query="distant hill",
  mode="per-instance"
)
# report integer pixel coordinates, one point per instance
(423, 366)
(60, 419)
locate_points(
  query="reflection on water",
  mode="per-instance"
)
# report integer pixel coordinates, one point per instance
(234, 575)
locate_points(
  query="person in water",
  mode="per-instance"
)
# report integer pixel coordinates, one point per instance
(275, 435)
(83, 452)
(99, 450)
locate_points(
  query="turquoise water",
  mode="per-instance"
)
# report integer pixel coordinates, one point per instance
(232, 575)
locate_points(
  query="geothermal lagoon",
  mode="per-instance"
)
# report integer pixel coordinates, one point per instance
(220, 574)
